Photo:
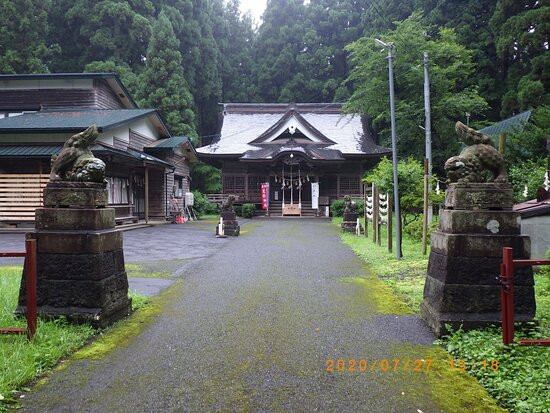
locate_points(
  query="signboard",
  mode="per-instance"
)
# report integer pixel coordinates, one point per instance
(315, 195)
(265, 195)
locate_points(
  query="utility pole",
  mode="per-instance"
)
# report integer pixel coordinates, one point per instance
(428, 129)
(398, 252)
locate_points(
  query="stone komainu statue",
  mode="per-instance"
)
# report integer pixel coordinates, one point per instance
(76, 162)
(349, 205)
(480, 155)
(227, 205)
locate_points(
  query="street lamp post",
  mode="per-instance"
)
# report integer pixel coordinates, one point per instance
(398, 252)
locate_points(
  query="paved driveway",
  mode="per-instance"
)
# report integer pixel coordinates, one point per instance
(251, 328)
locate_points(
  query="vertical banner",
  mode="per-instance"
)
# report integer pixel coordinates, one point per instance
(315, 195)
(265, 195)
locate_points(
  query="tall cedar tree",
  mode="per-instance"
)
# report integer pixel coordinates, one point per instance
(281, 40)
(234, 36)
(450, 67)
(103, 30)
(192, 21)
(163, 82)
(470, 20)
(23, 30)
(522, 30)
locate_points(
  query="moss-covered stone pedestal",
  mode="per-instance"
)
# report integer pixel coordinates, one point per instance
(230, 224)
(462, 286)
(349, 222)
(81, 272)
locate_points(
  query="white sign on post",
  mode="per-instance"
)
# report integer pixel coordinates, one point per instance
(315, 195)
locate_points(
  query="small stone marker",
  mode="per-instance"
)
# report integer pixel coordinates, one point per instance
(228, 218)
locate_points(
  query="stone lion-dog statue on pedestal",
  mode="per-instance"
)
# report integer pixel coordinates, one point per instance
(76, 162)
(480, 155)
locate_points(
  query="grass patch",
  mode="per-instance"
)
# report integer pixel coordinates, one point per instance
(523, 376)
(21, 361)
(406, 277)
(136, 270)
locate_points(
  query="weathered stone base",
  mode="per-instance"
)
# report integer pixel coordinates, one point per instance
(230, 224)
(96, 317)
(80, 261)
(438, 321)
(462, 286)
(486, 196)
(230, 228)
(77, 194)
(351, 226)
(349, 222)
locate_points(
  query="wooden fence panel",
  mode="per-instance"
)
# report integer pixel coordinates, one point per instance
(20, 195)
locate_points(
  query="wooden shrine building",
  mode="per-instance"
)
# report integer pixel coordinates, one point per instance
(308, 153)
(147, 168)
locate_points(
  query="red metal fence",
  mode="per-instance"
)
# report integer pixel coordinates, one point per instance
(30, 284)
(507, 296)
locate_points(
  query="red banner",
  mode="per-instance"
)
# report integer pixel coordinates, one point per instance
(265, 195)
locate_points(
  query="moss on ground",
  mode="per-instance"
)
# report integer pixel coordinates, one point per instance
(375, 291)
(124, 331)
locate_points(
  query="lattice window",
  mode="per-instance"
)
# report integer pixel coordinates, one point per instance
(239, 185)
(350, 185)
(233, 185)
(255, 185)
(228, 184)
(328, 185)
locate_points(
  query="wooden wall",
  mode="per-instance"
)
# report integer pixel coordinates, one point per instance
(100, 97)
(138, 141)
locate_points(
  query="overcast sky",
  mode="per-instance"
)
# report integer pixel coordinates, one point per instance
(257, 7)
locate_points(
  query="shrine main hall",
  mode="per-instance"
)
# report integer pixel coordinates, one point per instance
(308, 154)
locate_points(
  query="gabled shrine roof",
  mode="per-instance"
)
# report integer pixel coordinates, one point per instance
(247, 127)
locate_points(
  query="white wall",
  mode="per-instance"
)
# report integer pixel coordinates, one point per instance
(538, 229)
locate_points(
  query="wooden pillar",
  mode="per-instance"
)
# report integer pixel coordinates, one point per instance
(378, 219)
(246, 187)
(146, 194)
(374, 212)
(338, 185)
(365, 195)
(502, 143)
(390, 223)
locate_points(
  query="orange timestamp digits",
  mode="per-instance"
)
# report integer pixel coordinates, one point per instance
(362, 365)
(463, 365)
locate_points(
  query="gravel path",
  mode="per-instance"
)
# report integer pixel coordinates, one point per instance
(250, 329)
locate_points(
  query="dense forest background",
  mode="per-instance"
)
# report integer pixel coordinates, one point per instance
(487, 57)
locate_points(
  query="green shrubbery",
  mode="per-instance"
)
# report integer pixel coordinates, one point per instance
(248, 210)
(337, 207)
(414, 229)
(202, 205)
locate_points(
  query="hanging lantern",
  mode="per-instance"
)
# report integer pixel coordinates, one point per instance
(437, 189)
(525, 191)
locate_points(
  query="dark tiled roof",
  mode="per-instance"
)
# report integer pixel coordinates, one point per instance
(313, 152)
(168, 143)
(19, 151)
(69, 120)
(244, 124)
(46, 151)
(111, 78)
(514, 124)
(243, 108)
